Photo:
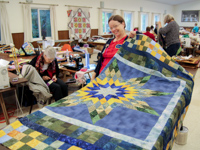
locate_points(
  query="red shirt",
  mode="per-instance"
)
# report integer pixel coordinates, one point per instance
(150, 35)
(110, 52)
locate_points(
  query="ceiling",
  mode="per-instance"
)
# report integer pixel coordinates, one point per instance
(172, 2)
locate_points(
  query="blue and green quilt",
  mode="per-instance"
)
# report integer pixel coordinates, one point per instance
(138, 102)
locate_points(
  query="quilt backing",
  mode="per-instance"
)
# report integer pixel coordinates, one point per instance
(138, 102)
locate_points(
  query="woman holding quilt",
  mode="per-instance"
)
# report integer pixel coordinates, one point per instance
(117, 27)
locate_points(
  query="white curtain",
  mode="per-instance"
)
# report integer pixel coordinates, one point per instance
(133, 18)
(86, 12)
(152, 19)
(100, 22)
(6, 37)
(27, 23)
(139, 21)
(149, 19)
(54, 31)
(162, 19)
(115, 12)
(122, 13)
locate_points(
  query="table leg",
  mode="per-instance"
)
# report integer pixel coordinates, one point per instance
(5, 113)
(17, 103)
(22, 98)
(17, 97)
(89, 76)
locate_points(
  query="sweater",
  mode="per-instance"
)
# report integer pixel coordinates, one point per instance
(150, 35)
(195, 29)
(172, 33)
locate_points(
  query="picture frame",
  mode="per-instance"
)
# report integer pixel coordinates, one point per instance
(190, 16)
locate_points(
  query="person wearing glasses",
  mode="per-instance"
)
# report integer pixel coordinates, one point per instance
(47, 66)
(117, 27)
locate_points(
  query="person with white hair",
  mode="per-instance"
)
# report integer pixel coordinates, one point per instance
(171, 31)
(47, 66)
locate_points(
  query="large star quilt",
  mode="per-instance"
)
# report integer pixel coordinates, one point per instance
(138, 102)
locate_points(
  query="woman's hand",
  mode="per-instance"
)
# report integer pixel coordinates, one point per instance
(93, 76)
(132, 34)
(46, 78)
(54, 78)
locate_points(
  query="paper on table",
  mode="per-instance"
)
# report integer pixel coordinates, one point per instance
(186, 57)
(4, 62)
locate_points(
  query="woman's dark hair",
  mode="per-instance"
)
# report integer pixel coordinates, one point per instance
(148, 29)
(117, 18)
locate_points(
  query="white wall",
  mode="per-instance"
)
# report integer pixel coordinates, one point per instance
(186, 6)
(16, 19)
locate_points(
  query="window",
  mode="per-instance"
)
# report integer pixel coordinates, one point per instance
(156, 18)
(105, 17)
(41, 26)
(128, 20)
(144, 21)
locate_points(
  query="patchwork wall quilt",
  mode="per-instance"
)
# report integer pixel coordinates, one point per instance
(79, 25)
(138, 102)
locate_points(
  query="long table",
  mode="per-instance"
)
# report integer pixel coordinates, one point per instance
(20, 80)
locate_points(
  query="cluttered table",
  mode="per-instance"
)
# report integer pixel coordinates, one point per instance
(6, 57)
(21, 60)
(190, 63)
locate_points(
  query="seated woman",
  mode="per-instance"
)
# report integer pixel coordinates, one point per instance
(47, 66)
(117, 27)
(147, 33)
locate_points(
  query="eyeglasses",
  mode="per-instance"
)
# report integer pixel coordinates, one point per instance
(114, 27)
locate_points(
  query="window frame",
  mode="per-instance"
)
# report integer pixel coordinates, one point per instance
(131, 25)
(105, 21)
(39, 23)
(0, 30)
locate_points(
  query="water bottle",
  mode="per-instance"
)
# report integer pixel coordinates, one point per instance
(87, 60)
(67, 55)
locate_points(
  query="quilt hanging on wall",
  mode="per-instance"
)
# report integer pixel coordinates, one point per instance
(79, 24)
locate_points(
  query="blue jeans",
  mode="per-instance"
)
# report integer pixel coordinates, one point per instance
(172, 49)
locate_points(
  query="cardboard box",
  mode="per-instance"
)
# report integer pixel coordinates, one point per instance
(90, 50)
(99, 47)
